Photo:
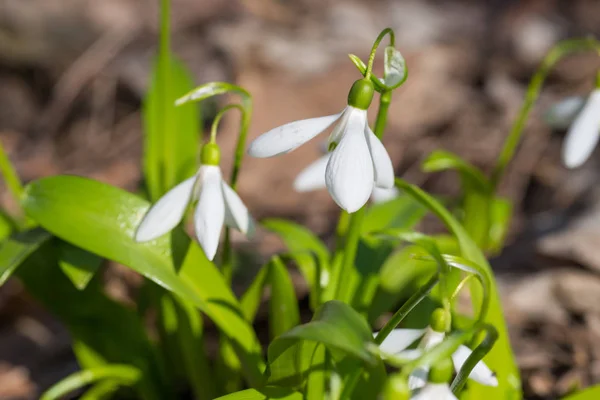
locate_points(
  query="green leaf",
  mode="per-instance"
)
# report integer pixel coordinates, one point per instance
(316, 381)
(402, 212)
(336, 325)
(591, 393)
(77, 264)
(102, 219)
(500, 358)
(16, 249)
(251, 299)
(441, 160)
(307, 250)
(267, 393)
(171, 141)
(283, 306)
(210, 89)
(123, 374)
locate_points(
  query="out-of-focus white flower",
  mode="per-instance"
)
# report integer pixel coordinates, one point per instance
(358, 160)
(218, 204)
(399, 340)
(584, 133)
(313, 178)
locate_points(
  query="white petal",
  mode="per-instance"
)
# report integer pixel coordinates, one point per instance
(339, 128)
(382, 164)
(166, 213)
(481, 373)
(349, 174)
(287, 137)
(418, 378)
(431, 338)
(210, 211)
(236, 214)
(313, 176)
(380, 195)
(583, 134)
(434, 391)
(562, 114)
(400, 339)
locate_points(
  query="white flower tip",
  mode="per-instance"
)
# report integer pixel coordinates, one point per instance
(144, 235)
(583, 135)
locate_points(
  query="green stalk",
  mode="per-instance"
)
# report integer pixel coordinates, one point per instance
(406, 308)
(10, 176)
(561, 50)
(476, 355)
(343, 290)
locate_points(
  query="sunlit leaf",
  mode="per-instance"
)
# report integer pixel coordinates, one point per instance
(16, 249)
(500, 215)
(123, 374)
(591, 393)
(102, 219)
(441, 160)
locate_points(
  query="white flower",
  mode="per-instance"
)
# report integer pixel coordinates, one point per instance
(218, 204)
(584, 133)
(434, 391)
(313, 178)
(399, 340)
(357, 163)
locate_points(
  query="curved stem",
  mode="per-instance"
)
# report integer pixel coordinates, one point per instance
(386, 31)
(343, 290)
(561, 50)
(407, 307)
(476, 355)
(217, 120)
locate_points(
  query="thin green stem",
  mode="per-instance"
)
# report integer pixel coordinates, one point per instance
(10, 175)
(169, 177)
(343, 291)
(386, 31)
(476, 355)
(406, 308)
(215, 125)
(561, 50)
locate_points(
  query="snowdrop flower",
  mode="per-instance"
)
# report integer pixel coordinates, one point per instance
(358, 160)
(313, 178)
(398, 341)
(436, 387)
(584, 133)
(217, 204)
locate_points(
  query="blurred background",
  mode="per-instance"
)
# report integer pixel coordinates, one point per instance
(73, 73)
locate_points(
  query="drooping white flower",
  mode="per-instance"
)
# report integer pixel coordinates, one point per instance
(584, 133)
(399, 340)
(313, 178)
(218, 204)
(358, 160)
(434, 391)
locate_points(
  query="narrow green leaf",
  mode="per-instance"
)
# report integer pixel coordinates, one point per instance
(15, 250)
(500, 358)
(172, 134)
(251, 299)
(210, 89)
(441, 160)
(267, 393)
(77, 264)
(402, 212)
(102, 219)
(316, 381)
(283, 306)
(123, 374)
(500, 215)
(336, 325)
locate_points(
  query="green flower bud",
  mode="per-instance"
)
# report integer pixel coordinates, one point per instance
(442, 371)
(210, 155)
(440, 320)
(361, 94)
(396, 388)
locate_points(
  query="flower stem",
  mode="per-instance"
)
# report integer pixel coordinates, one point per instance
(386, 31)
(407, 307)
(169, 177)
(561, 50)
(10, 176)
(343, 290)
(476, 355)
